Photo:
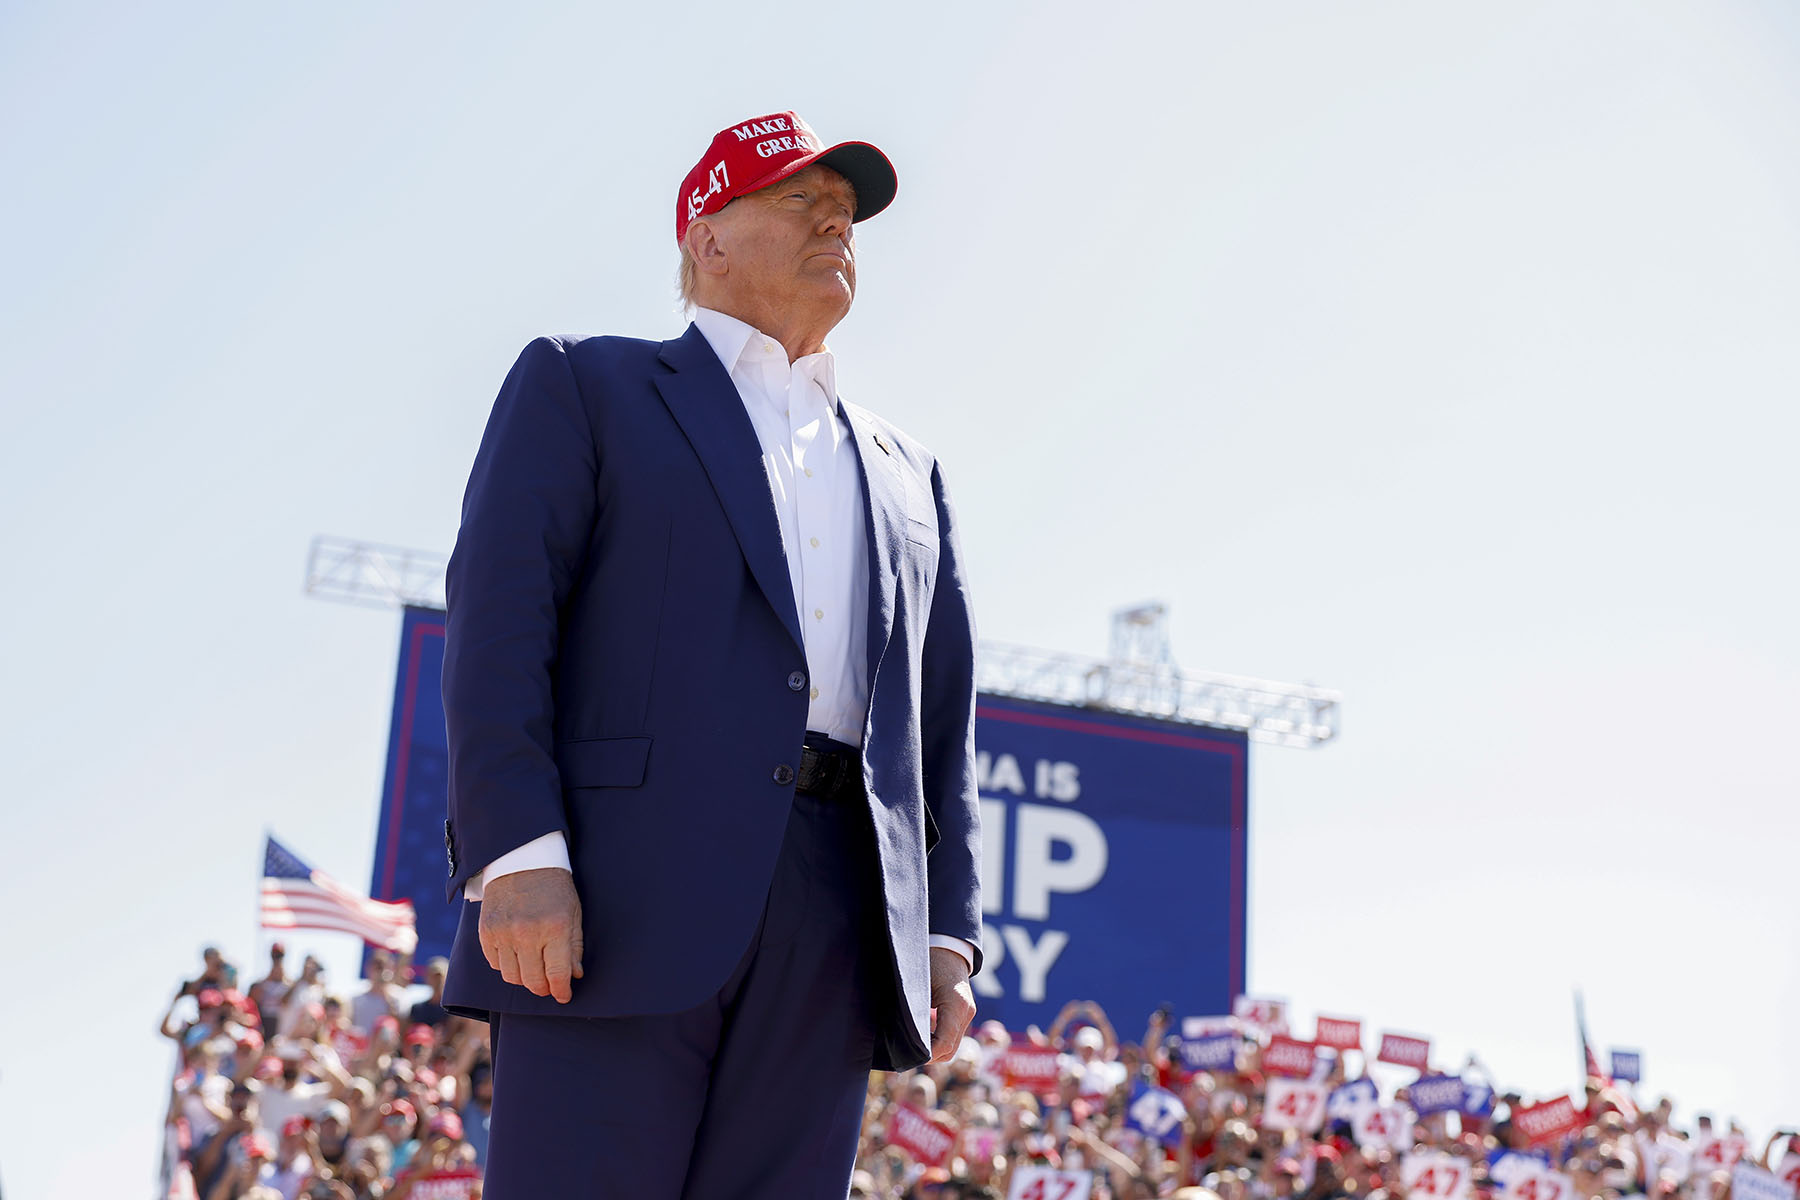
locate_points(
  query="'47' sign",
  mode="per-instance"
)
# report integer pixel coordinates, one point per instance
(1046, 1183)
(1432, 1176)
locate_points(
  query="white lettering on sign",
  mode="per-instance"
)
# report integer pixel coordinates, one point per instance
(998, 774)
(1032, 960)
(993, 856)
(1036, 872)
(1058, 780)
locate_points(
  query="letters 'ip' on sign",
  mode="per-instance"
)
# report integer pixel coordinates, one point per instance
(1404, 1051)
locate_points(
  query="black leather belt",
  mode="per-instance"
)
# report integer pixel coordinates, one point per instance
(829, 769)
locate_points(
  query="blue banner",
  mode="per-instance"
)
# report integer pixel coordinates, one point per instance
(1154, 1112)
(1504, 1166)
(1211, 1052)
(1436, 1094)
(1108, 842)
(1625, 1065)
(1478, 1099)
(409, 830)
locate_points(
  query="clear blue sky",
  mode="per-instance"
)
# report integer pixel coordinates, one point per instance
(1444, 355)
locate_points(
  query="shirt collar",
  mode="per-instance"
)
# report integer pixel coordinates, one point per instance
(730, 338)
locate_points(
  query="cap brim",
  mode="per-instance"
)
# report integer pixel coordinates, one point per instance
(868, 171)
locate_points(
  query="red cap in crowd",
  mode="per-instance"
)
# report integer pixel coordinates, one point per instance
(421, 1035)
(399, 1108)
(210, 997)
(269, 1068)
(256, 1146)
(295, 1125)
(447, 1124)
(763, 150)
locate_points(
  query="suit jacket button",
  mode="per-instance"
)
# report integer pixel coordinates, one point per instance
(784, 774)
(796, 681)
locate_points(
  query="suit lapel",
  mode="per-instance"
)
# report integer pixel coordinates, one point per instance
(885, 507)
(705, 403)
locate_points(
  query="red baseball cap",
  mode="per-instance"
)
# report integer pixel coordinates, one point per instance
(448, 1124)
(756, 153)
(421, 1035)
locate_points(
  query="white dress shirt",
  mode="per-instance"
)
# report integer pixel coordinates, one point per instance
(816, 482)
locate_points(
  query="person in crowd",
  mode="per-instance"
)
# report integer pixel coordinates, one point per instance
(381, 998)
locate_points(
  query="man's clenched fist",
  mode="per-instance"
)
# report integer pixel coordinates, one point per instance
(952, 1002)
(531, 930)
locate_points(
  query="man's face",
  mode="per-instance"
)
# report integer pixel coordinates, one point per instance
(790, 244)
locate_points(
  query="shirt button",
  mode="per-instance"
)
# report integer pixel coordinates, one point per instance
(819, 614)
(815, 693)
(796, 681)
(768, 347)
(815, 543)
(783, 774)
(808, 471)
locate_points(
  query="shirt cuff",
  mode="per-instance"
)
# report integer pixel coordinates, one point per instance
(960, 945)
(551, 850)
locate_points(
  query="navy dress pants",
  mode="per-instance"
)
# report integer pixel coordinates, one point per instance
(756, 1094)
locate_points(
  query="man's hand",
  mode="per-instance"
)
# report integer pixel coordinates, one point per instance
(952, 1002)
(531, 930)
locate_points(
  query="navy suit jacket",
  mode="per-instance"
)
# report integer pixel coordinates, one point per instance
(620, 664)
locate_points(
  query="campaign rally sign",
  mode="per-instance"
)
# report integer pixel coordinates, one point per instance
(1546, 1122)
(1427, 1173)
(1540, 1183)
(1478, 1100)
(1751, 1182)
(1627, 1065)
(1436, 1094)
(1048, 1183)
(1719, 1153)
(454, 1183)
(1210, 1052)
(1155, 1113)
(925, 1136)
(1293, 1104)
(1349, 1100)
(1029, 1066)
(1083, 814)
(1388, 1126)
(1287, 1056)
(1261, 1014)
(1404, 1051)
(1339, 1033)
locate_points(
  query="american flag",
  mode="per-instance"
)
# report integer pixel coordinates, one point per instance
(294, 896)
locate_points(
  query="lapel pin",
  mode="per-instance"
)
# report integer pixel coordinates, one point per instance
(881, 443)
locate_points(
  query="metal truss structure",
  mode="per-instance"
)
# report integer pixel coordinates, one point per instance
(1283, 714)
(374, 576)
(1139, 678)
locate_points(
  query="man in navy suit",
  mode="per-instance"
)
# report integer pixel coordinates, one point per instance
(709, 686)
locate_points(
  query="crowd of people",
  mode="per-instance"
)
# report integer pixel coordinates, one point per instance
(1118, 1120)
(290, 1088)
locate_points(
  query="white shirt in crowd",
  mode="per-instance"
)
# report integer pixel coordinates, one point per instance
(816, 482)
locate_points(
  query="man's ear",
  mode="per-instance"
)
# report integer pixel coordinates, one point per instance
(705, 244)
